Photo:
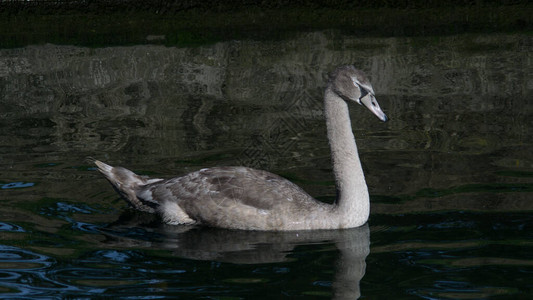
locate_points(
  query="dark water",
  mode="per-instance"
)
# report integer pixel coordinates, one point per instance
(450, 175)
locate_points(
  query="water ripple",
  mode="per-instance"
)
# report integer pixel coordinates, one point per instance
(8, 227)
(17, 185)
(24, 273)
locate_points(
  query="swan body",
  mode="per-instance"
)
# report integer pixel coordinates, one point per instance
(250, 199)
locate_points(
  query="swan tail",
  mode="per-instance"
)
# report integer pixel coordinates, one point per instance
(128, 184)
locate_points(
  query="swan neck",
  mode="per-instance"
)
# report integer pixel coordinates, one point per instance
(353, 203)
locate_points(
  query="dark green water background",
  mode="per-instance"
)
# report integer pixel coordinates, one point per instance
(450, 175)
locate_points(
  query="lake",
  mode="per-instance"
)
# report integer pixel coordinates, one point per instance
(450, 175)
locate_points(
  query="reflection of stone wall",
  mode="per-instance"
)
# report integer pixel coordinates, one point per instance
(464, 94)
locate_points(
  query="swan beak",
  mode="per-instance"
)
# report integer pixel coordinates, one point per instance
(372, 104)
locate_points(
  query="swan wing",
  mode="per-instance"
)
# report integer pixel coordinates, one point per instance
(231, 197)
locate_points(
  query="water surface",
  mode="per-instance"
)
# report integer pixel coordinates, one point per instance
(450, 175)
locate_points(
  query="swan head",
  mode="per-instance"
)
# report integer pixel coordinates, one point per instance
(352, 85)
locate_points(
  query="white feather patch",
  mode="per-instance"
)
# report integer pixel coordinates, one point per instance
(171, 213)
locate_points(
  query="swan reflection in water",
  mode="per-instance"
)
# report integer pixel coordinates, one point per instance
(246, 247)
(270, 210)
